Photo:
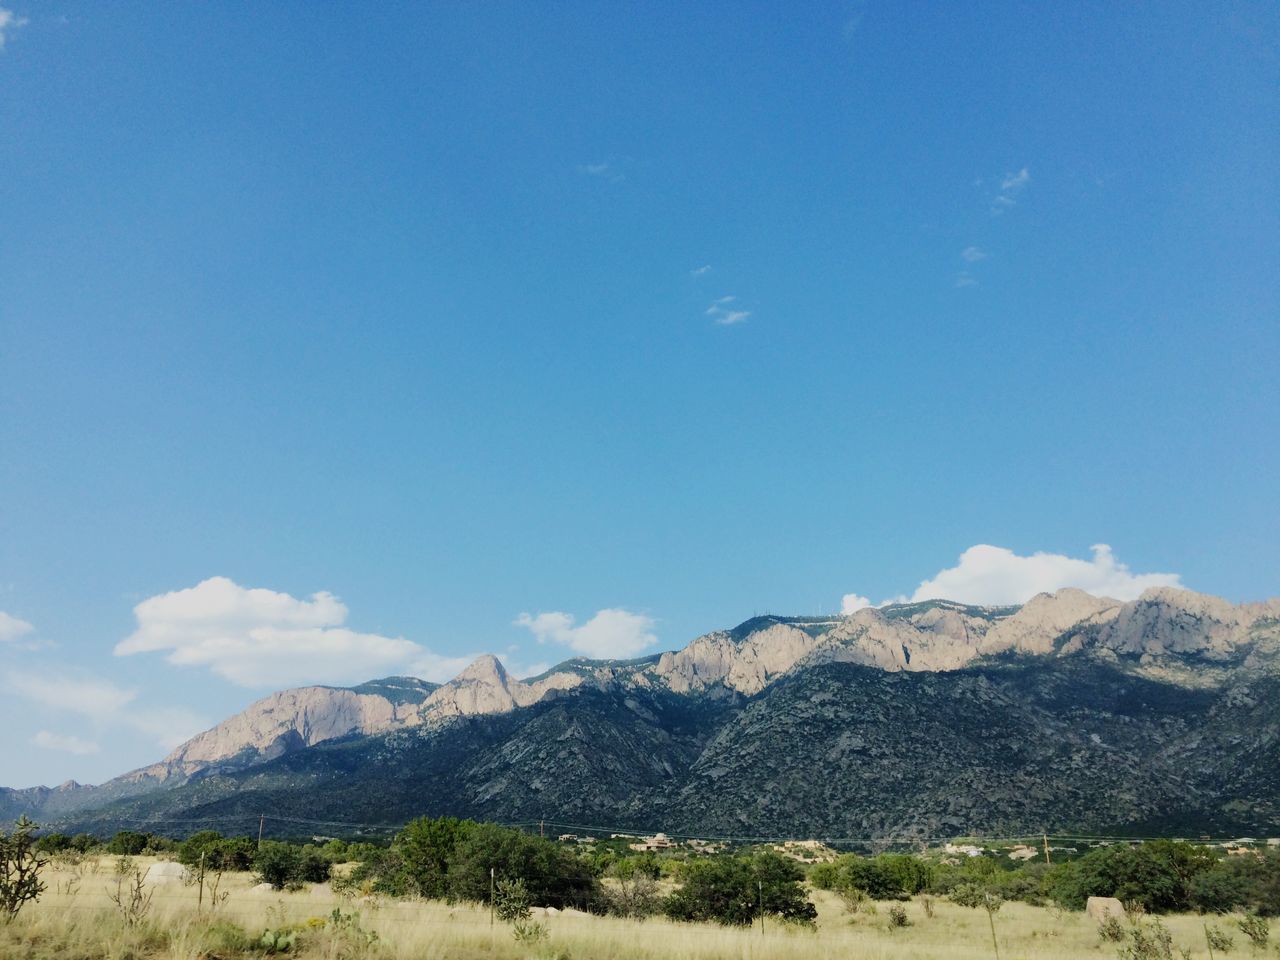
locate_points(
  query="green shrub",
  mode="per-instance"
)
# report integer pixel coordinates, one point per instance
(278, 864)
(20, 866)
(730, 890)
(1256, 929)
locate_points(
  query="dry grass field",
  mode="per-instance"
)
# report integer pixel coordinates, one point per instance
(76, 920)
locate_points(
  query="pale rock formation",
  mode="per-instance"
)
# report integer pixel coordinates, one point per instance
(486, 687)
(1046, 617)
(282, 722)
(747, 666)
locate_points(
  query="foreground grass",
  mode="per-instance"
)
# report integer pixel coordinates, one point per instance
(76, 920)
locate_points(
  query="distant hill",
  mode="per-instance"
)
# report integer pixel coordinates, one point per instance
(1069, 713)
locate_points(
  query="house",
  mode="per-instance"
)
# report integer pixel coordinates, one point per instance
(659, 841)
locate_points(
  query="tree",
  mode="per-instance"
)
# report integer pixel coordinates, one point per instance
(732, 890)
(554, 876)
(278, 863)
(1158, 874)
(20, 866)
(426, 847)
(128, 843)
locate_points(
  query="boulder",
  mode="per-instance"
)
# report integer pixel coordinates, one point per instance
(166, 872)
(1099, 908)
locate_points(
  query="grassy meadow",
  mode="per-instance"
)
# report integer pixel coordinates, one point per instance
(76, 919)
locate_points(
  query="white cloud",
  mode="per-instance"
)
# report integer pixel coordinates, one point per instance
(106, 705)
(66, 743)
(995, 575)
(965, 279)
(1010, 187)
(973, 254)
(9, 21)
(852, 603)
(719, 311)
(261, 638)
(611, 634)
(1013, 182)
(700, 271)
(11, 628)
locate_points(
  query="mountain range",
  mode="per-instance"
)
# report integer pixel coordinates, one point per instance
(1069, 713)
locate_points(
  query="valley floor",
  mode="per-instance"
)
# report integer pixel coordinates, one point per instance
(76, 920)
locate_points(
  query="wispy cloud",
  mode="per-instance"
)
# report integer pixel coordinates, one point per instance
(9, 21)
(965, 279)
(11, 628)
(700, 271)
(721, 313)
(611, 634)
(605, 170)
(105, 705)
(973, 254)
(1011, 187)
(64, 743)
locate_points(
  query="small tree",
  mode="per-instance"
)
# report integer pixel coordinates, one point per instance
(1256, 929)
(511, 902)
(20, 866)
(131, 896)
(972, 895)
(278, 863)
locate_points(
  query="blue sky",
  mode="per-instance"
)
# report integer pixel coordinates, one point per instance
(425, 308)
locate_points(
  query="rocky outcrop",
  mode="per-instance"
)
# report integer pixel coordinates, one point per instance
(485, 687)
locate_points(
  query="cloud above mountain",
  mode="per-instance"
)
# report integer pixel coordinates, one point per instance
(262, 638)
(611, 634)
(989, 575)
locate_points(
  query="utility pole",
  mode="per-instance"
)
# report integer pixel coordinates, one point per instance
(542, 829)
(760, 886)
(1046, 848)
(200, 897)
(491, 896)
(261, 822)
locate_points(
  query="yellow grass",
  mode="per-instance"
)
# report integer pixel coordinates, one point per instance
(82, 923)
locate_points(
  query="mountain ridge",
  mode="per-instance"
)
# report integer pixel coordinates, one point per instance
(1176, 639)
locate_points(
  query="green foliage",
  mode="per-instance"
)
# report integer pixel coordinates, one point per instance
(280, 940)
(977, 897)
(425, 848)
(898, 916)
(220, 853)
(824, 876)
(20, 866)
(1158, 874)
(1256, 929)
(1239, 883)
(1218, 939)
(512, 903)
(889, 876)
(554, 875)
(53, 843)
(1148, 941)
(278, 864)
(129, 843)
(731, 890)
(1111, 929)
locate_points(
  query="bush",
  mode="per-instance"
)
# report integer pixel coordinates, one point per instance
(1159, 874)
(1218, 939)
(424, 850)
(898, 916)
(128, 843)
(1239, 883)
(555, 876)
(730, 890)
(1256, 929)
(1111, 929)
(279, 864)
(20, 866)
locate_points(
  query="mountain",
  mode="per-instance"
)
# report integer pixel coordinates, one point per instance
(1070, 712)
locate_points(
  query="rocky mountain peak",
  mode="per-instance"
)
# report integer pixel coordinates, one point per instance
(484, 669)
